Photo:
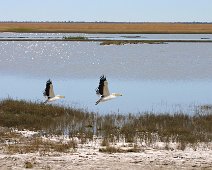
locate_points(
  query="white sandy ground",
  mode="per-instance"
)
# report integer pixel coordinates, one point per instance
(87, 156)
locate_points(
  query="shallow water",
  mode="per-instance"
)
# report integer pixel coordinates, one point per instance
(152, 77)
(200, 37)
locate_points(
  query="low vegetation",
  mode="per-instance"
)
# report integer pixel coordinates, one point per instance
(49, 118)
(123, 42)
(28, 164)
(114, 149)
(37, 144)
(78, 38)
(133, 128)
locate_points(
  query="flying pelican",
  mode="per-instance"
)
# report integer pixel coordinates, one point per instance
(49, 93)
(103, 91)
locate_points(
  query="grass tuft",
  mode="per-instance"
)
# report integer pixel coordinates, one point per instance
(28, 164)
(41, 146)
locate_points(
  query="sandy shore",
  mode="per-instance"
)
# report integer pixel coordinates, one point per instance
(90, 158)
(87, 156)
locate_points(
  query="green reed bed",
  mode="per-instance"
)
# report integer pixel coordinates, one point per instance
(147, 127)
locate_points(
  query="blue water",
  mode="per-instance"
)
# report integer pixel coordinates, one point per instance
(138, 96)
(152, 77)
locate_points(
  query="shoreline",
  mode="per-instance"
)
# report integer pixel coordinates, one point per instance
(112, 42)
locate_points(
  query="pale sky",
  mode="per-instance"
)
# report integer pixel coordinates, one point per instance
(107, 10)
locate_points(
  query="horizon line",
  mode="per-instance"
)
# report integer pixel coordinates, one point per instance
(134, 22)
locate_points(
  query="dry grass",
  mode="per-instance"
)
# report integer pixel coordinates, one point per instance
(36, 144)
(50, 118)
(123, 42)
(28, 164)
(146, 127)
(107, 27)
(112, 149)
(151, 128)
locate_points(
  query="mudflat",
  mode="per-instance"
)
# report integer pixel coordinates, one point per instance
(94, 27)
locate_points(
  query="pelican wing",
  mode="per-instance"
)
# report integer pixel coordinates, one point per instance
(102, 89)
(49, 92)
(105, 89)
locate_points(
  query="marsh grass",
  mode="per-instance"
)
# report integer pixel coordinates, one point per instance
(39, 145)
(149, 28)
(123, 42)
(113, 149)
(105, 142)
(37, 116)
(151, 128)
(75, 38)
(28, 164)
(145, 127)
(20, 29)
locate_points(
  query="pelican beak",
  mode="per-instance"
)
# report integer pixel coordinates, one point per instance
(119, 94)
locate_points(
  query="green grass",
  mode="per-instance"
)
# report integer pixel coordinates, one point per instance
(147, 127)
(75, 38)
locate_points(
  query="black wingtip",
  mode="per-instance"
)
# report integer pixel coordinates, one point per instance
(103, 77)
(49, 81)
